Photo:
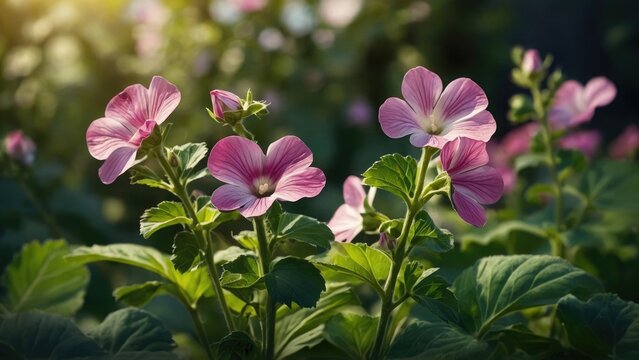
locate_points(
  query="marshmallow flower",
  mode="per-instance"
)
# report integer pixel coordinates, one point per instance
(224, 101)
(432, 117)
(129, 118)
(585, 141)
(20, 147)
(627, 144)
(346, 223)
(473, 182)
(254, 180)
(575, 104)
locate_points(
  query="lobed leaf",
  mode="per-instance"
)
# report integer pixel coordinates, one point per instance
(393, 173)
(185, 251)
(296, 280)
(167, 213)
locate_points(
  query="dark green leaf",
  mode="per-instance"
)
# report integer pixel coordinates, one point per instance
(139, 295)
(237, 345)
(305, 229)
(393, 173)
(143, 175)
(519, 338)
(185, 251)
(39, 277)
(167, 213)
(352, 333)
(241, 276)
(294, 280)
(431, 291)
(425, 233)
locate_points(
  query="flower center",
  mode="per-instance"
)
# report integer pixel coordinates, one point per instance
(431, 125)
(143, 132)
(263, 187)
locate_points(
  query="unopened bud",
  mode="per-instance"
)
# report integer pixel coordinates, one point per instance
(531, 62)
(386, 241)
(20, 147)
(226, 106)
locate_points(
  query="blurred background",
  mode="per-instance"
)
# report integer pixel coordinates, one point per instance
(325, 66)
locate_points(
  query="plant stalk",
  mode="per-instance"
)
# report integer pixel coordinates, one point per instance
(201, 332)
(268, 333)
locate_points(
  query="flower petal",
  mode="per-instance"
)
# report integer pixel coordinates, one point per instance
(119, 161)
(105, 135)
(230, 197)
(484, 184)
(302, 184)
(398, 119)
(462, 98)
(129, 107)
(421, 89)
(258, 207)
(164, 97)
(463, 154)
(469, 210)
(568, 103)
(236, 160)
(346, 223)
(599, 91)
(586, 141)
(479, 127)
(286, 156)
(354, 194)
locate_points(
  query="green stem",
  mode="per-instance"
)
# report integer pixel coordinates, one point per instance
(413, 206)
(201, 332)
(202, 237)
(268, 333)
(546, 132)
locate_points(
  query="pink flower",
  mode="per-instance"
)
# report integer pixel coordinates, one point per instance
(254, 180)
(20, 147)
(473, 182)
(531, 62)
(586, 141)
(517, 141)
(359, 112)
(346, 223)
(627, 144)
(249, 5)
(129, 118)
(575, 104)
(224, 101)
(432, 117)
(386, 241)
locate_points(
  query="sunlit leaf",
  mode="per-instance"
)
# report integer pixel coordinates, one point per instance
(167, 213)
(393, 173)
(352, 333)
(305, 229)
(185, 251)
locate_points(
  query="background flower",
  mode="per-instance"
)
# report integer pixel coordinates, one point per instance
(346, 223)
(575, 104)
(627, 144)
(586, 141)
(20, 147)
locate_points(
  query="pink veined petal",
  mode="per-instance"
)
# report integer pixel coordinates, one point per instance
(463, 154)
(236, 160)
(105, 135)
(480, 127)
(509, 177)
(568, 103)
(483, 184)
(130, 107)
(306, 183)
(258, 207)
(286, 156)
(421, 139)
(462, 98)
(568, 93)
(354, 194)
(517, 141)
(599, 91)
(117, 163)
(346, 223)
(397, 119)
(231, 197)
(164, 97)
(586, 141)
(421, 89)
(469, 210)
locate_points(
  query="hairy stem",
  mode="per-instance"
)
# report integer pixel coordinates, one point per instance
(268, 332)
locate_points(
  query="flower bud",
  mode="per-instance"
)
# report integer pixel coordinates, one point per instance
(20, 147)
(531, 62)
(386, 241)
(226, 106)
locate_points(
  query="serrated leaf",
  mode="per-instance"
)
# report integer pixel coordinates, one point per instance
(305, 229)
(185, 251)
(425, 234)
(352, 333)
(143, 175)
(40, 278)
(294, 280)
(431, 291)
(237, 345)
(210, 218)
(241, 276)
(603, 327)
(139, 295)
(498, 285)
(167, 213)
(393, 173)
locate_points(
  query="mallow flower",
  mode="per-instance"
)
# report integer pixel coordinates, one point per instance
(474, 183)
(254, 180)
(20, 147)
(432, 117)
(574, 103)
(129, 119)
(348, 221)
(225, 102)
(627, 144)
(586, 141)
(531, 62)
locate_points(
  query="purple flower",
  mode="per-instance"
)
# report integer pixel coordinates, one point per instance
(20, 147)
(473, 182)
(346, 223)
(432, 117)
(531, 62)
(359, 112)
(254, 180)
(627, 144)
(129, 118)
(575, 104)
(224, 101)
(586, 141)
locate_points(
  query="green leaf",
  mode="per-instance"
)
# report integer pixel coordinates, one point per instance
(529, 160)
(518, 338)
(294, 280)
(139, 295)
(185, 251)
(603, 327)
(426, 340)
(538, 193)
(498, 285)
(425, 234)
(305, 229)
(237, 345)
(167, 213)
(570, 161)
(37, 335)
(39, 277)
(229, 254)
(431, 291)
(190, 154)
(209, 217)
(241, 276)
(130, 331)
(358, 260)
(352, 333)
(393, 173)
(143, 175)
(247, 239)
